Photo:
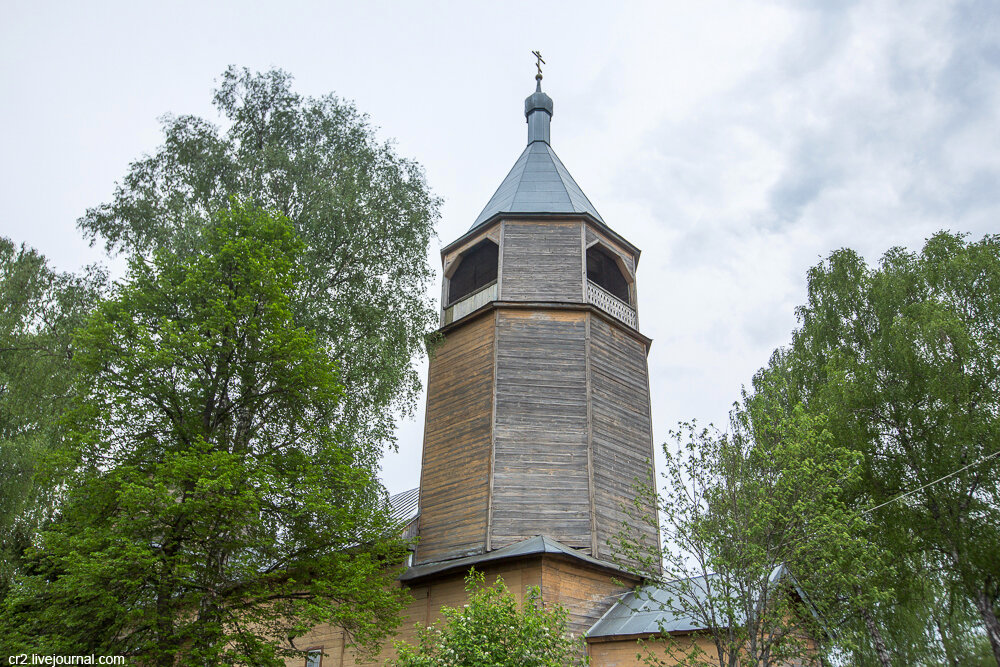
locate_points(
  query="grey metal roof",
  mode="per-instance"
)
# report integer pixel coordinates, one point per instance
(538, 183)
(669, 607)
(650, 609)
(529, 547)
(404, 506)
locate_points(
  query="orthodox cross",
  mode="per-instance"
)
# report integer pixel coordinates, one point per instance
(538, 63)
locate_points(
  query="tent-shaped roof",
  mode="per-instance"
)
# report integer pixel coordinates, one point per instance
(538, 183)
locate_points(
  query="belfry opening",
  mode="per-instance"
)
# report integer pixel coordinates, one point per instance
(477, 268)
(603, 271)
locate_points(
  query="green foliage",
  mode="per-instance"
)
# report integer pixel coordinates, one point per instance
(904, 360)
(39, 310)
(213, 504)
(364, 214)
(754, 521)
(491, 631)
(923, 623)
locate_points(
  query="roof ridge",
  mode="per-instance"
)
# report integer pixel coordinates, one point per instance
(556, 163)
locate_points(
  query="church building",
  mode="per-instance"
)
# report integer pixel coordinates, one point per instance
(538, 424)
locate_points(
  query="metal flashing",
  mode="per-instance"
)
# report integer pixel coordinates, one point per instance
(532, 546)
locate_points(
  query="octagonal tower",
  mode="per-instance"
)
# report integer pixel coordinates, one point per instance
(538, 413)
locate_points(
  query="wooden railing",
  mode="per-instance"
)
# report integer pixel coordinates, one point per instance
(612, 305)
(474, 301)
(596, 295)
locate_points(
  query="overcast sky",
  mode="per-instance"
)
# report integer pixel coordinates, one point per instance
(736, 143)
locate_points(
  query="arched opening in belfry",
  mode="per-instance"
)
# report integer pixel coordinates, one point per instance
(604, 271)
(477, 268)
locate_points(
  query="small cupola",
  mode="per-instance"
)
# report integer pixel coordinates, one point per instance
(538, 113)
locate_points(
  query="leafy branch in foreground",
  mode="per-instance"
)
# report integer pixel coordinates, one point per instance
(493, 631)
(213, 507)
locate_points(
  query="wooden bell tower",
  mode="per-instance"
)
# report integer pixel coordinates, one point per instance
(538, 412)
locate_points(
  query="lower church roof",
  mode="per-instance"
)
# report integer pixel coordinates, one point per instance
(671, 606)
(652, 609)
(530, 547)
(405, 505)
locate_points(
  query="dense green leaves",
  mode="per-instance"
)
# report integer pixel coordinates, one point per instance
(364, 214)
(903, 359)
(492, 630)
(214, 506)
(201, 455)
(754, 527)
(39, 311)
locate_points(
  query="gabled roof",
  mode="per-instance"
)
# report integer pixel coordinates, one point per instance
(649, 609)
(538, 183)
(529, 547)
(669, 607)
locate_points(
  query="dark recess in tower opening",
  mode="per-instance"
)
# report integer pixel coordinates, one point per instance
(477, 268)
(602, 269)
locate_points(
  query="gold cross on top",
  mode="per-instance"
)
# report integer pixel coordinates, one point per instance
(538, 63)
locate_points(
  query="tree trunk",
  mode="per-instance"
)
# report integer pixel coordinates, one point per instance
(985, 606)
(877, 641)
(949, 654)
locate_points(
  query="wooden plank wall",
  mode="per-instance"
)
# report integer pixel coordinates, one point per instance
(541, 261)
(541, 482)
(626, 652)
(586, 592)
(622, 434)
(454, 480)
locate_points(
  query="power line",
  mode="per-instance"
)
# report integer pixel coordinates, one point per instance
(940, 479)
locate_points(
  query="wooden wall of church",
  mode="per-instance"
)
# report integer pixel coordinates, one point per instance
(541, 481)
(621, 430)
(626, 652)
(586, 592)
(542, 261)
(454, 482)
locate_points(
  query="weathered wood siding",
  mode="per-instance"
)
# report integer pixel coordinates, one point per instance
(454, 479)
(626, 652)
(541, 482)
(541, 261)
(622, 434)
(585, 592)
